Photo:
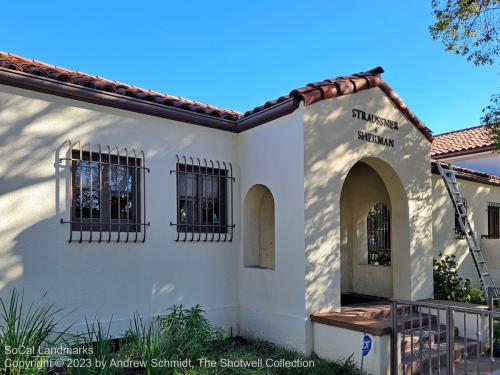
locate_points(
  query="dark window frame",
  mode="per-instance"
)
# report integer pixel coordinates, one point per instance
(459, 233)
(201, 223)
(203, 187)
(378, 229)
(493, 212)
(105, 222)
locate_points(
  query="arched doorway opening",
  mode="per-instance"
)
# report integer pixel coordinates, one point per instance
(373, 224)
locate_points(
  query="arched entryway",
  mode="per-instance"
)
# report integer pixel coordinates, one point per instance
(373, 228)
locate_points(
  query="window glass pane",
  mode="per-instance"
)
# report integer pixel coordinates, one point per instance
(119, 180)
(379, 235)
(86, 201)
(210, 199)
(83, 169)
(188, 199)
(120, 204)
(83, 206)
(122, 192)
(187, 184)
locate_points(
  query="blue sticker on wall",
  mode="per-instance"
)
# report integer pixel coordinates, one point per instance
(367, 345)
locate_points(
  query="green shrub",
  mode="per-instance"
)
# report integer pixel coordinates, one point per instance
(239, 348)
(189, 331)
(97, 339)
(448, 285)
(34, 328)
(182, 334)
(143, 342)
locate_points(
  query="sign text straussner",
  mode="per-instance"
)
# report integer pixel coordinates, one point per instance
(377, 120)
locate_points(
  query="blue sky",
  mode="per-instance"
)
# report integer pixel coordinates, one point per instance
(239, 54)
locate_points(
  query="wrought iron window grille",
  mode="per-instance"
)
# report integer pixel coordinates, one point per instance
(378, 224)
(204, 200)
(493, 221)
(107, 187)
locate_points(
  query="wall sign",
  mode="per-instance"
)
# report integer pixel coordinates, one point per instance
(370, 117)
(378, 121)
(373, 138)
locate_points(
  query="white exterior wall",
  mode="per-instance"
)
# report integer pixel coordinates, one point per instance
(478, 195)
(334, 342)
(272, 300)
(331, 149)
(105, 279)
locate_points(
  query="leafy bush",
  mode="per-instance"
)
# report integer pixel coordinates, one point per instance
(189, 331)
(449, 286)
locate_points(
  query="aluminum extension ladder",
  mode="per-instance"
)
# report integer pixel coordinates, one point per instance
(450, 181)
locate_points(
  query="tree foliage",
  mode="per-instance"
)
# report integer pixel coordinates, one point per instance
(491, 116)
(468, 28)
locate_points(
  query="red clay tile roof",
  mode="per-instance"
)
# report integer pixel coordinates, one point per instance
(38, 68)
(473, 139)
(332, 88)
(309, 94)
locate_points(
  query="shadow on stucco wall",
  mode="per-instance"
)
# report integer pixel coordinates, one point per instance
(330, 151)
(91, 277)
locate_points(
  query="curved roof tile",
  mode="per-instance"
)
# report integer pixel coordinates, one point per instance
(309, 94)
(463, 140)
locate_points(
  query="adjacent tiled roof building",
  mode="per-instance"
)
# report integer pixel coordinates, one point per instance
(464, 141)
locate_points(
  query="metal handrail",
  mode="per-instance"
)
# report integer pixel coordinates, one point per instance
(432, 311)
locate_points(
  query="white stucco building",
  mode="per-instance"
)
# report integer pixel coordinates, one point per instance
(263, 218)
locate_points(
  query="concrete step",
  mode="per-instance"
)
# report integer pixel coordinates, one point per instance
(426, 335)
(370, 310)
(414, 320)
(434, 356)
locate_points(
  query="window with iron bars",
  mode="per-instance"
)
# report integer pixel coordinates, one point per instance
(493, 220)
(378, 224)
(459, 233)
(107, 194)
(204, 200)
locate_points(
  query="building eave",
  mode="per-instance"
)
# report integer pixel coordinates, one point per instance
(471, 175)
(473, 151)
(86, 94)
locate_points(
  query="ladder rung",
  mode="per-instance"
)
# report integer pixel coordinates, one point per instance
(485, 274)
